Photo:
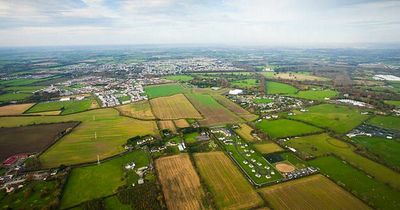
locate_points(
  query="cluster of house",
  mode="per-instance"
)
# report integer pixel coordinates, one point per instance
(298, 173)
(370, 130)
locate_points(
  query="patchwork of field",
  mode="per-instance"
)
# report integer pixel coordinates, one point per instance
(30, 139)
(213, 112)
(323, 144)
(174, 107)
(102, 132)
(167, 124)
(317, 95)
(15, 109)
(155, 91)
(245, 132)
(285, 128)
(229, 188)
(235, 108)
(101, 180)
(279, 88)
(370, 190)
(180, 182)
(312, 192)
(340, 119)
(266, 148)
(66, 107)
(299, 76)
(388, 122)
(139, 110)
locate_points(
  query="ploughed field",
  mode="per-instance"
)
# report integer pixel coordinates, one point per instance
(15, 109)
(173, 107)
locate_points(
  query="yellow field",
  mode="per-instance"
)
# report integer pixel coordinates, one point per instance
(49, 113)
(139, 110)
(235, 108)
(174, 107)
(313, 192)
(297, 76)
(230, 188)
(245, 132)
(181, 123)
(266, 148)
(180, 182)
(167, 124)
(15, 109)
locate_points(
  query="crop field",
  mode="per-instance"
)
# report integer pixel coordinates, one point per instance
(139, 110)
(29, 139)
(373, 192)
(279, 88)
(388, 122)
(167, 124)
(180, 182)
(181, 123)
(312, 192)
(66, 107)
(235, 108)
(102, 132)
(245, 83)
(317, 95)
(323, 144)
(245, 132)
(174, 107)
(340, 119)
(285, 128)
(155, 91)
(101, 180)
(266, 148)
(213, 112)
(180, 78)
(299, 76)
(15, 109)
(6, 97)
(229, 188)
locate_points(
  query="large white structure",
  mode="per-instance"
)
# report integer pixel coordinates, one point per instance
(386, 77)
(235, 92)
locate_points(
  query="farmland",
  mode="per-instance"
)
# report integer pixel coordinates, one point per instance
(213, 112)
(317, 95)
(299, 76)
(139, 110)
(66, 107)
(245, 83)
(340, 119)
(229, 188)
(15, 109)
(313, 192)
(245, 132)
(167, 124)
(233, 107)
(180, 183)
(6, 97)
(181, 123)
(155, 91)
(101, 180)
(373, 192)
(279, 88)
(30, 139)
(323, 144)
(102, 132)
(173, 107)
(265, 148)
(273, 128)
(387, 122)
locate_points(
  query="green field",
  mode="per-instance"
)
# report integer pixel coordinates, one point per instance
(21, 82)
(102, 132)
(340, 119)
(155, 91)
(190, 138)
(66, 107)
(388, 122)
(114, 203)
(101, 180)
(394, 103)
(181, 78)
(24, 89)
(317, 95)
(373, 192)
(323, 144)
(245, 83)
(279, 88)
(285, 128)
(262, 100)
(14, 97)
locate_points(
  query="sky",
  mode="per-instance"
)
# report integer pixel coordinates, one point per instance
(220, 22)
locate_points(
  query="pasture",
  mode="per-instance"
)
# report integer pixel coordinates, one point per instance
(229, 187)
(317, 95)
(245, 132)
(323, 144)
(235, 108)
(312, 192)
(266, 148)
(180, 78)
(180, 182)
(370, 190)
(285, 128)
(191, 138)
(245, 83)
(101, 180)
(155, 91)
(7, 97)
(387, 122)
(337, 118)
(279, 88)
(102, 132)
(174, 107)
(14, 109)
(394, 103)
(66, 107)
(138, 110)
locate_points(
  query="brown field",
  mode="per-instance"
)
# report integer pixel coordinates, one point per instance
(269, 147)
(167, 124)
(139, 110)
(284, 167)
(174, 107)
(15, 109)
(94, 105)
(245, 132)
(180, 182)
(235, 108)
(49, 113)
(181, 123)
(230, 188)
(29, 139)
(313, 192)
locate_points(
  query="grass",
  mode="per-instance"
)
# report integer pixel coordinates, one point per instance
(394, 103)
(387, 122)
(124, 98)
(139, 110)
(312, 192)
(245, 83)
(24, 89)
(285, 128)
(190, 138)
(111, 129)
(114, 203)
(21, 82)
(279, 88)
(370, 190)
(262, 100)
(340, 119)
(323, 144)
(66, 107)
(101, 180)
(245, 132)
(174, 107)
(180, 78)
(14, 97)
(317, 95)
(15, 109)
(229, 188)
(155, 91)
(266, 148)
